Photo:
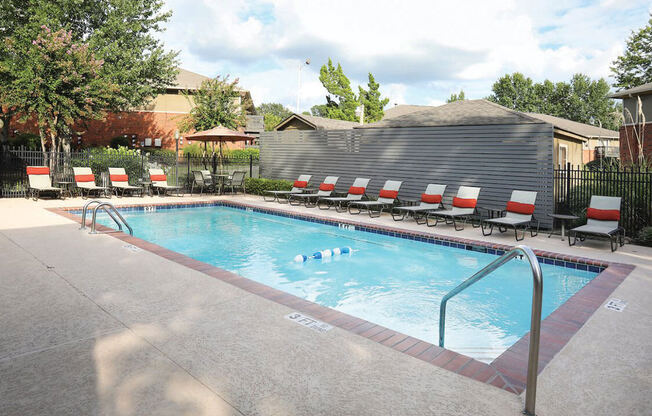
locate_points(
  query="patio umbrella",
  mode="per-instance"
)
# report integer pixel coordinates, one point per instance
(219, 134)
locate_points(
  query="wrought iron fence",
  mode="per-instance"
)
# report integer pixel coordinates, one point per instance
(574, 187)
(13, 161)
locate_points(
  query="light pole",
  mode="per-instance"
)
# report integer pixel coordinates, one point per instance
(306, 62)
(176, 167)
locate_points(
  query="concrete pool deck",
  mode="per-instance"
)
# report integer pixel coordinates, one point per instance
(90, 327)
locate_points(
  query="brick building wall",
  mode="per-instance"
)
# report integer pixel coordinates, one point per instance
(629, 145)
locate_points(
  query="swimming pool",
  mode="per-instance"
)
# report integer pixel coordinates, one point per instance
(394, 282)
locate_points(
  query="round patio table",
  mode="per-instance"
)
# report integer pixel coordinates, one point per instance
(564, 219)
(66, 186)
(147, 186)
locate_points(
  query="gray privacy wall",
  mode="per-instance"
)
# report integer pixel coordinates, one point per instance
(498, 158)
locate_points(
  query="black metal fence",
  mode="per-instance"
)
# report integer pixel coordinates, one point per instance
(13, 176)
(574, 187)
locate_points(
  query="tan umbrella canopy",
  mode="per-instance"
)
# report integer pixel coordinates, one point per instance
(219, 134)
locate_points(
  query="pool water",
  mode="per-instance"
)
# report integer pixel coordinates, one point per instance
(390, 281)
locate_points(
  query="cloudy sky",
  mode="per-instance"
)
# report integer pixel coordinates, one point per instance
(419, 51)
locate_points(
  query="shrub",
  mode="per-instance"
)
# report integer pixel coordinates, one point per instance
(29, 140)
(100, 159)
(243, 153)
(194, 149)
(120, 141)
(258, 186)
(644, 237)
(606, 163)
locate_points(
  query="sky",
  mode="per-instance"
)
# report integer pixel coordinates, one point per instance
(419, 51)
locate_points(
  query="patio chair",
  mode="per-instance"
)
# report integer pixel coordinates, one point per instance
(120, 182)
(519, 213)
(85, 182)
(430, 201)
(236, 181)
(40, 181)
(200, 181)
(464, 208)
(602, 219)
(325, 189)
(356, 193)
(387, 197)
(160, 182)
(298, 187)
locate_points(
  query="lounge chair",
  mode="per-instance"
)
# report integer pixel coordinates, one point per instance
(298, 187)
(519, 213)
(387, 197)
(85, 182)
(602, 219)
(356, 192)
(325, 189)
(120, 182)
(160, 182)
(236, 181)
(463, 209)
(430, 201)
(39, 181)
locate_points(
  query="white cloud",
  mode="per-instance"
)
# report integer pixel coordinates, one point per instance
(420, 51)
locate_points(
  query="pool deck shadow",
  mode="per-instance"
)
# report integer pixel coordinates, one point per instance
(241, 357)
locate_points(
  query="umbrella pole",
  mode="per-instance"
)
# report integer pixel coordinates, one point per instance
(221, 155)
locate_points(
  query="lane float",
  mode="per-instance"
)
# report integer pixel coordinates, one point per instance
(300, 258)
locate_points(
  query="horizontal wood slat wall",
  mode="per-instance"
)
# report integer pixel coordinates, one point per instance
(498, 158)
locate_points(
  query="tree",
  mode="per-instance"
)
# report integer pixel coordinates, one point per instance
(59, 81)
(273, 114)
(341, 102)
(217, 102)
(457, 97)
(372, 101)
(634, 67)
(119, 32)
(582, 99)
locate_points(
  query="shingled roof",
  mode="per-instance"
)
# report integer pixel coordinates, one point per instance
(632, 92)
(574, 127)
(188, 80)
(318, 123)
(458, 113)
(402, 109)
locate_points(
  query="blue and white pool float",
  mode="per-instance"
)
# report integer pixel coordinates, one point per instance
(324, 254)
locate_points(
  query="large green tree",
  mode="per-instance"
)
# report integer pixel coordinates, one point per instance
(341, 102)
(582, 99)
(372, 101)
(63, 80)
(457, 97)
(273, 114)
(122, 33)
(634, 67)
(217, 102)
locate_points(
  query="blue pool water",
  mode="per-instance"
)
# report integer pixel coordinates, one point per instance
(394, 282)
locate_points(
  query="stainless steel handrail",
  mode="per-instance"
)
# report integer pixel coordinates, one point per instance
(535, 321)
(86, 205)
(104, 205)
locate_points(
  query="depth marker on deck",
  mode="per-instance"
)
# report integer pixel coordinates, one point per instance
(309, 322)
(615, 305)
(133, 248)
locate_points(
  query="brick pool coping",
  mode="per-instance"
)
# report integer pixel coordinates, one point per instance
(508, 371)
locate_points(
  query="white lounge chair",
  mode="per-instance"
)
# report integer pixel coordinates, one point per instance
(40, 181)
(325, 189)
(464, 208)
(519, 213)
(387, 197)
(430, 201)
(298, 187)
(85, 182)
(602, 219)
(356, 192)
(120, 182)
(160, 182)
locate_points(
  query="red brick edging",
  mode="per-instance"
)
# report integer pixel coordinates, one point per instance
(508, 371)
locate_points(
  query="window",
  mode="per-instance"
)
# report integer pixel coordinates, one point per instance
(563, 155)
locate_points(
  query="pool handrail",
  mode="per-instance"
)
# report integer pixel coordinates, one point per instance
(535, 321)
(85, 209)
(104, 206)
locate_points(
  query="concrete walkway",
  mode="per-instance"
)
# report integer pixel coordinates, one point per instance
(91, 327)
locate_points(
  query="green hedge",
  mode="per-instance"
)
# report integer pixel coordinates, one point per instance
(258, 186)
(644, 237)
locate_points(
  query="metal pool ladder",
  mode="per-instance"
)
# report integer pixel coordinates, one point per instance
(535, 322)
(110, 209)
